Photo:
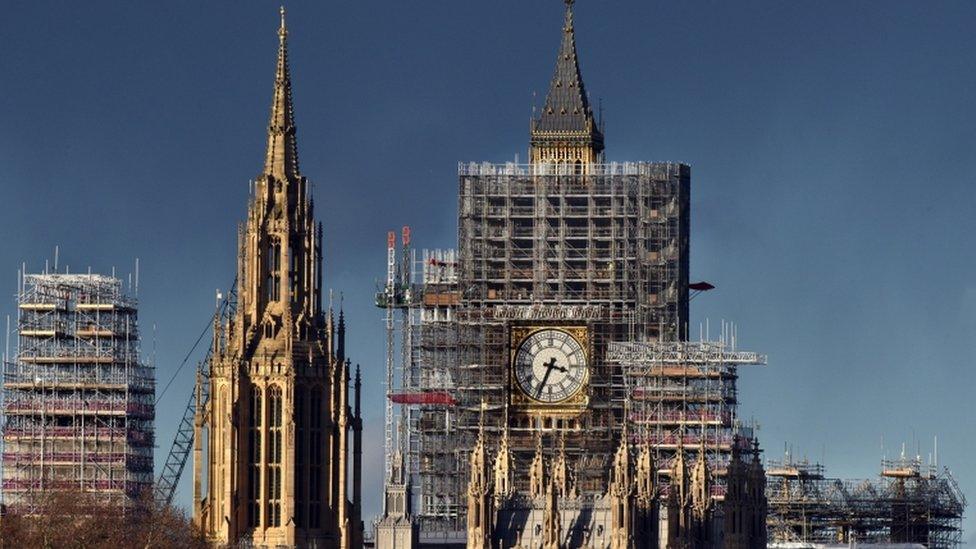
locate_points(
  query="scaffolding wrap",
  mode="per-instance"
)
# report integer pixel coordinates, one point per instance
(604, 250)
(682, 396)
(78, 402)
(908, 503)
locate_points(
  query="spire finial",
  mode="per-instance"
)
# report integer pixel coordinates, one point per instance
(281, 158)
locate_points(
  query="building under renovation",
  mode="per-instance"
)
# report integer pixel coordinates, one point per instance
(540, 371)
(78, 403)
(543, 390)
(910, 502)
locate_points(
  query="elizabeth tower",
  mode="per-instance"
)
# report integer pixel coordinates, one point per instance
(280, 430)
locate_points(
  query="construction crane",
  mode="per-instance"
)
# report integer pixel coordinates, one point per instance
(395, 294)
(179, 453)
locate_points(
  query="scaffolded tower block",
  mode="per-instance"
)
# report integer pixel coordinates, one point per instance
(78, 401)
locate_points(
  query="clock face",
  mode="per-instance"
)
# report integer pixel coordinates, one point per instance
(550, 366)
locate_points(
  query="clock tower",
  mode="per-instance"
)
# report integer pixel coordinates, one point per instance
(558, 259)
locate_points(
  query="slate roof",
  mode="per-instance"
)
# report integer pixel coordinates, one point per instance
(567, 108)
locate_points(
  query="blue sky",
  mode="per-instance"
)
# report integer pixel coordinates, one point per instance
(831, 146)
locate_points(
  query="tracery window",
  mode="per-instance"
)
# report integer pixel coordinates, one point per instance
(300, 478)
(315, 447)
(274, 270)
(254, 461)
(274, 457)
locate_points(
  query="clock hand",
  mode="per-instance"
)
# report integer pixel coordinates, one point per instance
(549, 367)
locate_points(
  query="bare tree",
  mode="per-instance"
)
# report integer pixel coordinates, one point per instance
(85, 520)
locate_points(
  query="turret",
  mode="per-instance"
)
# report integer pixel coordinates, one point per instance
(552, 521)
(561, 474)
(537, 474)
(503, 487)
(480, 510)
(621, 494)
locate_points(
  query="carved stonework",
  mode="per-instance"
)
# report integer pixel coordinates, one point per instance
(281, 432)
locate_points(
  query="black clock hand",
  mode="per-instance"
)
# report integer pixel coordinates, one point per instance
(549, 367)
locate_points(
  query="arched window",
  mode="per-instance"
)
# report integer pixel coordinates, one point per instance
(274, 270)
(294, 272)
(254, 461)
(301, 428)
(274, 457)
(315, 453)
(219, 442)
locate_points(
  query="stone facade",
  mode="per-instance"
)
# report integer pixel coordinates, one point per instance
(280, 429)
(634, 511)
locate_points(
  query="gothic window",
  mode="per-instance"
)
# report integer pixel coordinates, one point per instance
(274, 457)
(254, 461)
(293, 274)
(315, 447)
(274, 271)
(300, 479)
(221, 405)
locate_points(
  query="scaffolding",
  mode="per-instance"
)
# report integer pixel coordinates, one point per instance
(420, 297)
(682, 397)
(78, 403)
(605, 250)
(616, 237)
(908, 503)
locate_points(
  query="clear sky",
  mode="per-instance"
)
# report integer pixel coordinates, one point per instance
(831, 143)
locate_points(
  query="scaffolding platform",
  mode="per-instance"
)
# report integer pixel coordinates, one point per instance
(78, 402)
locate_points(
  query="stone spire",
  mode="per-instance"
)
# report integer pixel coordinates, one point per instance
(644, 473)
(276, 382)
(566, 131)
(281, 159)
(280, 262)
(757, 493)
(645, 513)
(340, 348)
(552, 527)
(621, 493)
(701, 483)
(503, 469)
(561, 475)
(537, 473)
(737, 511)
(678, 502)
(480, 513)
(357, 462)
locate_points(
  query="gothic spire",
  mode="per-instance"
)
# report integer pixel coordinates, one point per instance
(567, 117)
(281, 159)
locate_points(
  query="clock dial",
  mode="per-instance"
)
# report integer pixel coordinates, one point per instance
(550, 366)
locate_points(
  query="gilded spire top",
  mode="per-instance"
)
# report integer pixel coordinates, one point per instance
(281, 159)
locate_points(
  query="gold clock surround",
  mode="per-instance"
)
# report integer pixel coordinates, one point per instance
(578, 401)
